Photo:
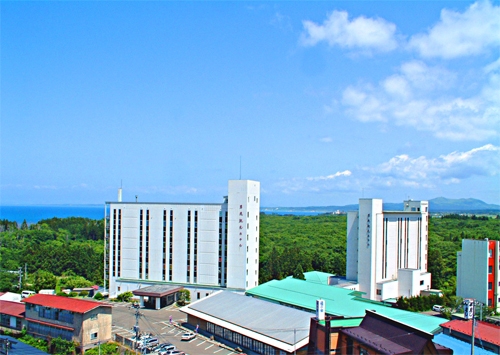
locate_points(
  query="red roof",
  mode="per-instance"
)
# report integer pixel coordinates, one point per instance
(15, 309)
(487, 331)
(66, 303)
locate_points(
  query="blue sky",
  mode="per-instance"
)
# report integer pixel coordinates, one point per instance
(324, 102)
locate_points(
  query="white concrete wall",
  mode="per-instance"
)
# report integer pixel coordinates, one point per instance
(387, 289)
(472, 270)
(352, 246)
(367, 262)
(243, 233)
(408, 282)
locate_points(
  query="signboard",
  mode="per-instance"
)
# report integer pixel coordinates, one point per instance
(468, 308)
(320, 309)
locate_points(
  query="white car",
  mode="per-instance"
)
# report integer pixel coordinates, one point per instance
(437, 308)
(188, 336)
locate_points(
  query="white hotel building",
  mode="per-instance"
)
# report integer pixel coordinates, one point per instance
(387, 250)
(201, 246)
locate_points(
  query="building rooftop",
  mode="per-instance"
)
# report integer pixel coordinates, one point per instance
(318, 277)
(17, 347)
(157, 290)
(458, 346)
(15, 309)
(484, 331)
(276, 325)
(339, 301)
(66, 303)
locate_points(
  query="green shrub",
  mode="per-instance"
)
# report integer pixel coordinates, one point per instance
(125, 296)
(84, 293)
(98, 296)
(73, 294)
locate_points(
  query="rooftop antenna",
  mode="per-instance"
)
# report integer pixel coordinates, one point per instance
(136, 196)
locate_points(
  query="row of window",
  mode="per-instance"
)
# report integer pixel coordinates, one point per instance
(244, 341)
(60, 315)
(48, 331)
(117, 230)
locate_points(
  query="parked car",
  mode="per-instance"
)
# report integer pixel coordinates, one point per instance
(188, 336)
(164, 346)
(166, 349)
(149, 343)
(172, 352)
(437, 308)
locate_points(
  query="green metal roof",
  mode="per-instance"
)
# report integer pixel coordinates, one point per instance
(346, 322)
(339, 301)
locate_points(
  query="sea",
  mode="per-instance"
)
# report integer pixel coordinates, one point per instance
(34, 214)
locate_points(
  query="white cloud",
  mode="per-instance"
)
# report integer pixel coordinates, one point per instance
(418, 96)
(461, 34)
(331, 176)
(326, 140)
(404, 171)
(449, 168)
(361, 32)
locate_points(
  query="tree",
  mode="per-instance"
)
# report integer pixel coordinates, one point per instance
(299, 273)
(125, 296)
(74, 282)
(436, 267)
(59, 346)
(24, 225)
(42, 279)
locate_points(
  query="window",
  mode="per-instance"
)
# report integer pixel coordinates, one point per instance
(490, 269)
(490, 285)
(93, 336)
(379, 292)
(421, 282)
(363, 351)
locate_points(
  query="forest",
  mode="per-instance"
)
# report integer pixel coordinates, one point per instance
(72, 249)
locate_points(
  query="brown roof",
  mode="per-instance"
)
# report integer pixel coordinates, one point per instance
(388, 336)
(157, 290)
(15, 309)
(66, 303)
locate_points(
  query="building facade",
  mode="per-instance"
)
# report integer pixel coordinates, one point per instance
(85, 322)
(201, 246)
(387, 250)
(478, 267)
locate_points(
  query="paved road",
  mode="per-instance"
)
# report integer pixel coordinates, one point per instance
(157, 323)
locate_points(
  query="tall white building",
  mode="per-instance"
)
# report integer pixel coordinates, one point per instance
(478, 274)
(201, 246)
(387, 250)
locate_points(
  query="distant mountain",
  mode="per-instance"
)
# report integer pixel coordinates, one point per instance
(439, 204)
(443, 204)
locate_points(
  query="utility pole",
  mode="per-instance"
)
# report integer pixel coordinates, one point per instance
(136, 326)
(20, 271)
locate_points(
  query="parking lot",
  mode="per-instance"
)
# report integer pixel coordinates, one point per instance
(157, 323)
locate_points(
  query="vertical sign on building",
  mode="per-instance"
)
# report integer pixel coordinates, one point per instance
(468, 308)
(320, 309)
(241, 224)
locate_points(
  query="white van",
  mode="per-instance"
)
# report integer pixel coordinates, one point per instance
(47, 292)
(25, 294)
